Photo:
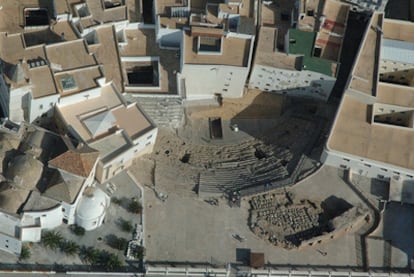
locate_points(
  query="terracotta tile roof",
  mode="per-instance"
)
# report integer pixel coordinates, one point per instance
(76, 161)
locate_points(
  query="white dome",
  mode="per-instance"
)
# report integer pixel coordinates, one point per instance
(91, 208)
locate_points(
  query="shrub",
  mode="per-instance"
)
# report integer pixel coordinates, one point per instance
(25, 253)
(138, 252)
(117, 242)
(78, 230)
(126, 226)
(112, 261)
(135, 207)
(116, 200)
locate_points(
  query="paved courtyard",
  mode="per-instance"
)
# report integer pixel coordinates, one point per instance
(186, 229)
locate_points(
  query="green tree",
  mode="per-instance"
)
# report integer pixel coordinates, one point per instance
(25, 253)
(90, 255)
(117, 242)
(126, 226)
(78, 230)
(138, 252)
(69, 247)
(135, 207)
(113, 261)
(52, 239)
(116, 200)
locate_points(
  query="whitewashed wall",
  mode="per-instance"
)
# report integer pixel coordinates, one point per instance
(291, 82)
(203, 81)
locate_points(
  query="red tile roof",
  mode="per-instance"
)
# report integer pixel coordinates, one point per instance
(76, 161)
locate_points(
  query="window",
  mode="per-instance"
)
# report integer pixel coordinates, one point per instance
(67, 82)
(384, 169)
(367, 165)
(41, 106)
(63, 210)
(317, 51)
(343, 166)
(347, 160)
(380, 176)
(149, 137)
(396, 173)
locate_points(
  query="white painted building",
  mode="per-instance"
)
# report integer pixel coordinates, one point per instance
(92, 209)
(214, 63)
(120, 132)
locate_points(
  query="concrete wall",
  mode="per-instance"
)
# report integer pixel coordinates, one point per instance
(31, 233)
(42, 105)
(18, 103)
(204, 81)
(10, 244)
(141, 146)
(364, 166)
(291, 82)
(49, 219)
(78, 97)
(349, 222)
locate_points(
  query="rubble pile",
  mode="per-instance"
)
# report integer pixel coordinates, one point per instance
(284, 221)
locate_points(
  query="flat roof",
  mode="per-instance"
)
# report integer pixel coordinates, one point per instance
(302, 43)
(11, 13)
(271, 16)
(85, 78)
(42, 82)
(142, 43)
(60, 32)
(235, 52)
(363, 76)
(70, 54)
(267, 53)
(398, 30)
(101, 14)
(106, 53)
(124, 116)
(130, 118)
(353, 132)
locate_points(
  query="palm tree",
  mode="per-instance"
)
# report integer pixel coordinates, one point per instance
(113, 261)
(52, 239)
(69, 247)
(25, 253)
(90, 255)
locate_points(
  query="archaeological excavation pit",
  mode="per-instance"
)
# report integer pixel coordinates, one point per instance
(284, 221)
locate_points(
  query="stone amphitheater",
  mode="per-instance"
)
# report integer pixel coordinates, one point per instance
(216, 168)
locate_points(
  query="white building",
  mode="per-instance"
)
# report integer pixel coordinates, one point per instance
(120, 132)
(92, 208)
(373, 129)
(33, 196)
(216, 43)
